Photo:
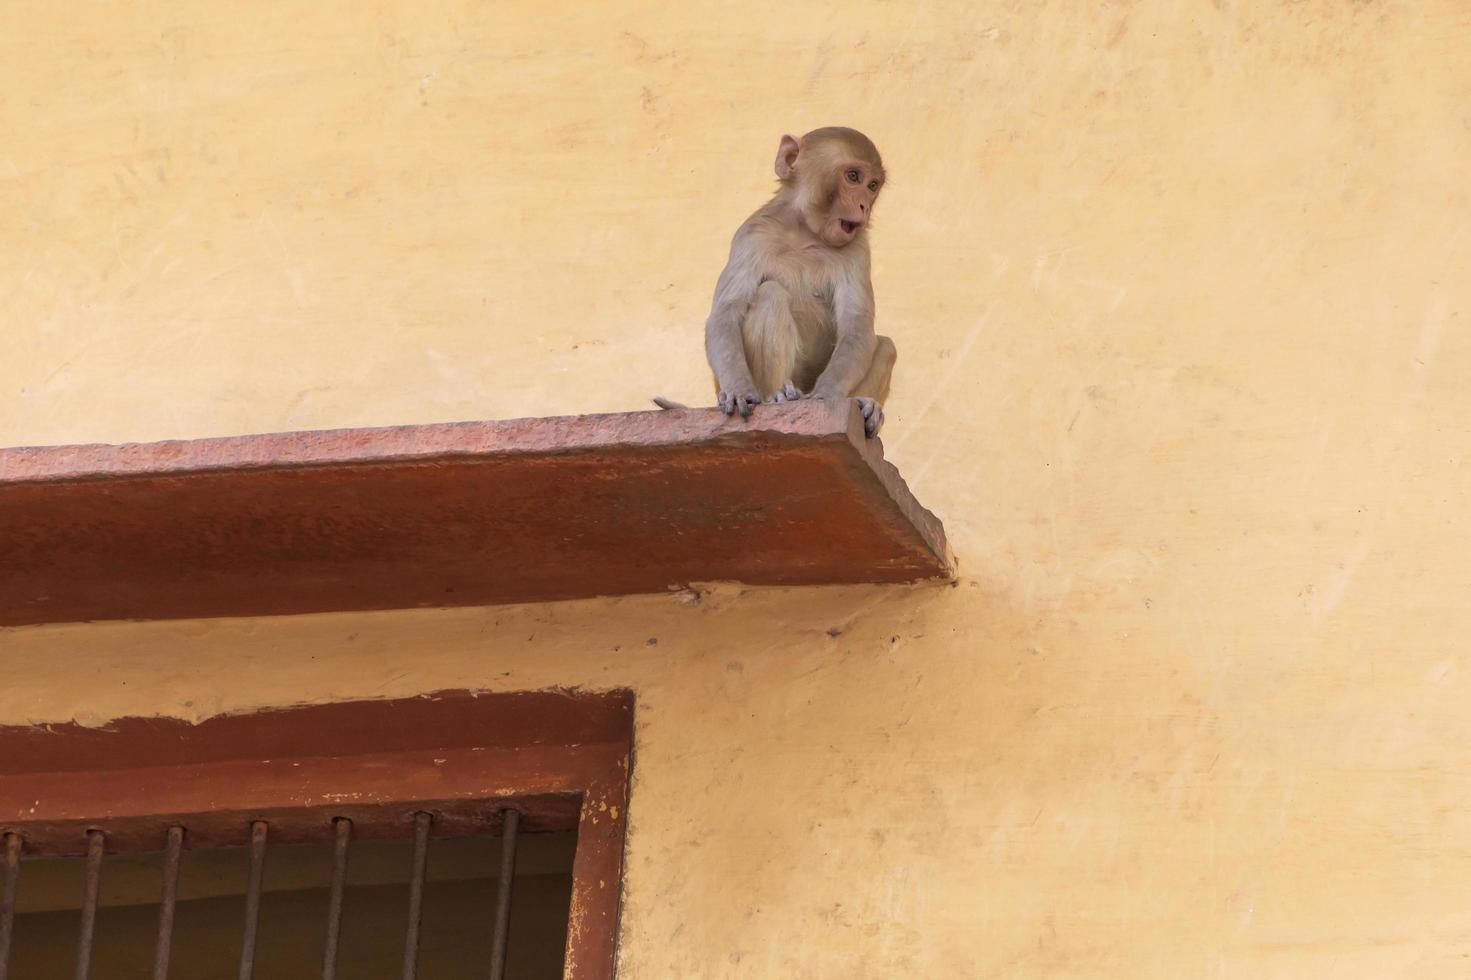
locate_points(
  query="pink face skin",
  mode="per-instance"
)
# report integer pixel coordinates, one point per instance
(857, 186)
(847, 181)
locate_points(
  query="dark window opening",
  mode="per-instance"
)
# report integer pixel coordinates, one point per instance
(456, 925)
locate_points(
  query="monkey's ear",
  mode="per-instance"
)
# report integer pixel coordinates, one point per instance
(786, 157)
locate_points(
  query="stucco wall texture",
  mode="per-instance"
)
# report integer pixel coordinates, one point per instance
(1181, 296)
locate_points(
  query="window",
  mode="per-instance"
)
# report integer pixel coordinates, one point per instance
(440, 837)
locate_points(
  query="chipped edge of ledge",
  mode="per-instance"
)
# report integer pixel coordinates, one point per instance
(415, 443)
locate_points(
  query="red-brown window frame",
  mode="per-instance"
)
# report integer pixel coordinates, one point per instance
(562, 759)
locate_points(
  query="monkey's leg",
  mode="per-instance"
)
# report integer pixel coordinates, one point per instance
(875, 383)
(873, 390)
(772, 343)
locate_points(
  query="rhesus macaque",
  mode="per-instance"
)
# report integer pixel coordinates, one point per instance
(793, 311)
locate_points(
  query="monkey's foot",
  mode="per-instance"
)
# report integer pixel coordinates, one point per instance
(787, 393)
(743, 402)
(873, 416)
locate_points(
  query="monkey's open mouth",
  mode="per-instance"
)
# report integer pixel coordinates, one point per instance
(849, 227)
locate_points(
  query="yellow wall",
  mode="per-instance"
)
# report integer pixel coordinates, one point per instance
(1182, 300)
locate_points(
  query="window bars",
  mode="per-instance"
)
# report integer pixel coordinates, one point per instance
(259, 833)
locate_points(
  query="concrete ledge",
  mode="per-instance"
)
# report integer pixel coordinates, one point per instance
(472, 513)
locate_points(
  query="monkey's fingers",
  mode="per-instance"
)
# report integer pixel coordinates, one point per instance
(787, 393)
(731, 403)
(873, 416)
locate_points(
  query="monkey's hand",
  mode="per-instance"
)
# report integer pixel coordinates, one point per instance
(787, 393)
(873, 416)
(732, 402)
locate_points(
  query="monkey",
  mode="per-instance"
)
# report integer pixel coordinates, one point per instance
(792, 315)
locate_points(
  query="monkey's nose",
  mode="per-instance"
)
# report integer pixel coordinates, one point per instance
(863, 208)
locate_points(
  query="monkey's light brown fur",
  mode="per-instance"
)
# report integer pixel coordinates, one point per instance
(793, 310)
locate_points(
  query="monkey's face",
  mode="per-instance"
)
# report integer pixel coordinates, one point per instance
(834, 176)
(853, 187)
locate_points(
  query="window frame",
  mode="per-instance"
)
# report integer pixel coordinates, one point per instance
(562, 759)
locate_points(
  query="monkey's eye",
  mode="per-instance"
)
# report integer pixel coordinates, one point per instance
(873, 185)
(852, 176)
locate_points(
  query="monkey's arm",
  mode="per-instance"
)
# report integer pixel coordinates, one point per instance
(724, 346)
(856, 341)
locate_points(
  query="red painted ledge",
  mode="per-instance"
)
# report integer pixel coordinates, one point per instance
(471, 513)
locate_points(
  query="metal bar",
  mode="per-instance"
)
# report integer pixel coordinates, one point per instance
(501, 937)
(172, 854)
(343, 826)
(95, 844)
(7, 900)
(416, 894)
(252, 898)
